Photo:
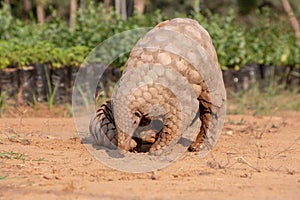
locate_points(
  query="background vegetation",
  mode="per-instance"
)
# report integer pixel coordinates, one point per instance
(268, 40)
(60, 34)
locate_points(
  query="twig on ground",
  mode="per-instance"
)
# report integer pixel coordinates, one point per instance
(21, 119)
(16, 138)
(217, 165)
(265, 128)
(243, 161)
(286, 149)
(258, 152)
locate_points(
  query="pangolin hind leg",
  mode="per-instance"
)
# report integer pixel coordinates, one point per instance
(205, 118)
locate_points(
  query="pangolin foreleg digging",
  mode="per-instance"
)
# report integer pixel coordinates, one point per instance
(152, 103)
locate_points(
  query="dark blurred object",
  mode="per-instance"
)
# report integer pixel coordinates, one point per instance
(244, 78)
(107, 82)
(59, 83)
(228, 77)
(262, 76)
(42, 90)
(293, 80)
(9, 81)
(246, 6)
(72, 77)
(27, 87)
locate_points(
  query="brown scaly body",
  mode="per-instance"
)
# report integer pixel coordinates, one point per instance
(181, 45)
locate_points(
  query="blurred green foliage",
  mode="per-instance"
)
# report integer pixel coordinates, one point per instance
(271, 42)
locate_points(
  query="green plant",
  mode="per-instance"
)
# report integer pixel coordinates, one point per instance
(56, 32)
(41, 52)
(52, 91)
(59, 57)
(256, 101)
(72, 56)
(84, 95)
(34, 103)
(241, 122)
(272, 41)
(228, 37)
(6, 21)
(40, 160)
(4, 51)
(76, 55)
(12, 155)
(2, 101)
(92, 26)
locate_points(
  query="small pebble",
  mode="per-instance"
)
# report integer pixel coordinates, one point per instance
(229, 132)
(154, 175)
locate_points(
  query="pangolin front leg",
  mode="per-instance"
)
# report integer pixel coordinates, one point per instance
(157, 105)
(205, 118)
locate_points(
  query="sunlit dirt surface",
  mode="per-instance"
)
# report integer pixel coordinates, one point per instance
(255, 158)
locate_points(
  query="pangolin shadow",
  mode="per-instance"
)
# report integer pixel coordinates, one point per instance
(114, 153)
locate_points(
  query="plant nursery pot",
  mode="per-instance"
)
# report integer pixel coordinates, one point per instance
(293, 79)
(245, 77)
(267, 74)
(72, 70)
(42, 90)
(109, 78)
(27, 81)
(286, 75)
(9, 82)
(228, 78)
(59, 83)
(87, 77)
(72, 74)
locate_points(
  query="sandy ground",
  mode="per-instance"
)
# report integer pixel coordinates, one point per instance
(255, 158)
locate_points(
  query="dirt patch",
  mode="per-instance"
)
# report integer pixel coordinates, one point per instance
(255, 157)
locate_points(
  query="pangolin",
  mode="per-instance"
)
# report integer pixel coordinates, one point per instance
(152, 102)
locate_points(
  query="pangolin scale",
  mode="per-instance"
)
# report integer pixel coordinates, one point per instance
(177, 45)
